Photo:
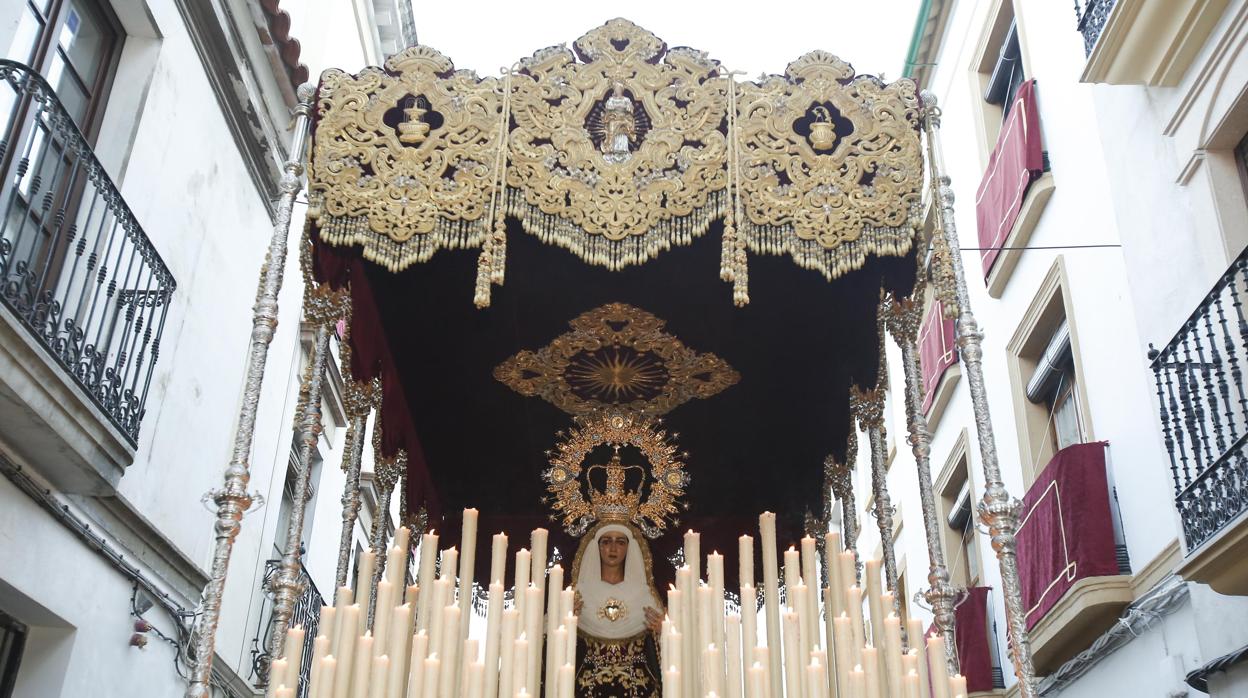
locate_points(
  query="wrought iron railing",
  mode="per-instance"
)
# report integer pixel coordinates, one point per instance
(1092, 16)
(76, 269)
(307, 614)
(1203, 400)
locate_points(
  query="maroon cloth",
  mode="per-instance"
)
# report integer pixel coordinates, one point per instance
(936, 351)
(971, 637)
(1016, 161)
(1067, 531)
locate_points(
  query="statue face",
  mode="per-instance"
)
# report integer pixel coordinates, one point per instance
(613, 549)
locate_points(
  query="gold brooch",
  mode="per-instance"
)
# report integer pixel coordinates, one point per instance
(613, 610)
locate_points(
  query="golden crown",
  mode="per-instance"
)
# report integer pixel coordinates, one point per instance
(579, 503)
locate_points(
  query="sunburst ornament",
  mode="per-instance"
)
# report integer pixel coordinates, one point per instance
(643, 495)
(616, 358)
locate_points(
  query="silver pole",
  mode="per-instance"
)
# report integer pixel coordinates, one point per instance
(350, 494)
(381, 532)
(998, 510)
(903, 322)
(233, 500)
(869, 408)
(841, 477)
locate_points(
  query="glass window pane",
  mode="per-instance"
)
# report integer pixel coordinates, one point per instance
(74, 98)
(24, 39)
(85, 37)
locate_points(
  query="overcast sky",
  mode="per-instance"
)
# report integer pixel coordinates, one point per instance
(753, 37)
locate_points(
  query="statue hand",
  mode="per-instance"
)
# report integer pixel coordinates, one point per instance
(654, 620)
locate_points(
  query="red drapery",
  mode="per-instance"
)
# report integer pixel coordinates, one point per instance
(1016, 161)
(936, 351)
(971, 638)
(1067, 531)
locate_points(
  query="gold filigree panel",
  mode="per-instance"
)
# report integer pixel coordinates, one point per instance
(830, 164)
(616, 357)
(405, 161)
(620, 155)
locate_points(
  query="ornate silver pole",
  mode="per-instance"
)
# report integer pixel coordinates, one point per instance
(841, 478)
(903, 321)
(233, 500)
(289, 585)
(381, 532)
(868, 407)
(358, 400)
(998, 510)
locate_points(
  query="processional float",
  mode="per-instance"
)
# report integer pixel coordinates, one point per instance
(620, 151)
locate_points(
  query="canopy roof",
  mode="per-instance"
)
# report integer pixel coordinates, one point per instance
(382, 181)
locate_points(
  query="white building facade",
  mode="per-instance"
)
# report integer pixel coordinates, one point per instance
(141, 159)
(1128, 233)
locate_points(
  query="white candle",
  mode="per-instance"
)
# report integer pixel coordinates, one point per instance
(713, 669)
(277, 676)
(523, 560)
(364, 579)
(853, 600)
(857, 683)
(538, 550)
(380, 673)
(382, 616)
(325, 678)
(745, 561)
(411, 596)
(693, 554)
(921, 663)
(467, 567)
(957, 686)
(450, 651)
(671, 683)
(910, 669)
(688, 629)
(520, 667)
(346, 648)
(320, 650)
(936, 664)
(871, 667)
(416, 664)
(294, 655)
(476, 680)
(569, 622)
(792, 571)
(892, 654)
(849, 569)
(842, 642)
(567, 681)
(441, 594)
(756, 686)
(800, 602)
(567, 602)
(912, 685)
(832, 550)
(553, 650)
(506, 671)
(705, 618)
(828, 638)
(363, 663)
(433, 671)
(816, 679)
(874, 604)
(498, 567)
(397, 648)
(448, 567)
(425, 578)
(558, 640)
(325, 624)
(792, 655)
(771, 597)
(493, 629)
(715, 577)
(468, 655)
(402, 541)
(810, 577)
(533, 629)
(396, 565)
(749, 619)
(822, 690)
(732, 653)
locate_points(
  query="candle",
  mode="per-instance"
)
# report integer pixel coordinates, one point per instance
(756, 687)
(294, 655)
(363, 663)
(914, 633)
(569, 622)
(842, 643)
(382, 616)
(911, 684)
(771, 597)
(871, 667)
(320, 650)
(816, 679)
(377, 681)
(467, 567)
(437, 605)
(857, 683)
(800, 603)
(793, 654)
(432, 671)
(821, 656)
(410, 596)
(832, 551)
(345, 652)
(705, 619)
(713, 670)
(506, 670)
(567, 601)
(424, 579)
(476, 680)
(447, 567)
(693, 555)
(732, 650)
(403, 541)
(520, 667)
(849, 569)
(533, 629)
(749, 619)
(688, 630)
(553, 650)
(277, 676)
(325, 624)
(671, 683)
(828, 617)
(715, 577)
(468, 655)
(936, 665)
(853, 600)
(416, 664)
(792, 570)
(396, 564)
(745, 560)
(874, 603)
(450, 651)
(493, 628)
(397, 648)
(325, 678)
(910, 667)
(559, 642)
(523, 560)
(538, 550)
(921, 663)
(810, 577)
(364, 579)
(957, 686)
(498, 567)
(892, 654)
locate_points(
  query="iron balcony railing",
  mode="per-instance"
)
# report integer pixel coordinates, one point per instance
(307, 614)
(1092, 16)
(76, 269)
(1203, 402)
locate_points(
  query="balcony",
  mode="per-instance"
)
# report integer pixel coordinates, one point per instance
(1203, 403)
(307, 614)
(1144, 42)
(976, 638)
(1073, 566)
(83, 296)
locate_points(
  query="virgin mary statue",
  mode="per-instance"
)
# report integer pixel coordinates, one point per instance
(620, 614)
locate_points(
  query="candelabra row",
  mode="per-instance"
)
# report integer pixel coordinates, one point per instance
(818, 642)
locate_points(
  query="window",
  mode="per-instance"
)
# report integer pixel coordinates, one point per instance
(1053, 384)
(12, 642)
(75, 44)
(957, 511)
(1241, 163)
(1007, 74)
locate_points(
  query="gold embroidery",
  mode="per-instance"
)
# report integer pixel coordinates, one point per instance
(615, 669)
